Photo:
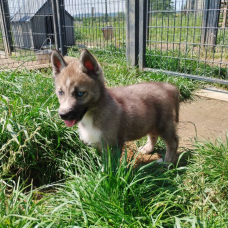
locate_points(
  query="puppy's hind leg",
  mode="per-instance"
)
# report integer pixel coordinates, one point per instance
(171, 141)
(149, 147)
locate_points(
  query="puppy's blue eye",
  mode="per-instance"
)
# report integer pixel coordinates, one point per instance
(80, 94)
(60, 93)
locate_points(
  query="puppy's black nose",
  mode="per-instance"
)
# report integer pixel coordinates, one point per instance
(65, 116)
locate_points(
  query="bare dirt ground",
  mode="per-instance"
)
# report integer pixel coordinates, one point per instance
(200, 119)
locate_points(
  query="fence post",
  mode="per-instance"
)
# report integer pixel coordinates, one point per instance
(225, 8)
(143, 17)
(55, 24)
(5, 27)
(204, 23)
(210, 22)
(148, 19)
(60, 7)
(132, 31)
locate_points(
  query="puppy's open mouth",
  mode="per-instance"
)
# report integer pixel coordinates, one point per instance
(70, 123)
(73, 117)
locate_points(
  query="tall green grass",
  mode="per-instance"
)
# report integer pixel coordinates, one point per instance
(180, 28)
(205, 183)
(32, 136)
(98, 193)
(106, 192)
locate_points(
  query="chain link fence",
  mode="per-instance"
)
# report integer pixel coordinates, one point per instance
(188, 37)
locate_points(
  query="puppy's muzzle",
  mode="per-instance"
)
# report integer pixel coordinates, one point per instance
(67, 116)
(73, 114)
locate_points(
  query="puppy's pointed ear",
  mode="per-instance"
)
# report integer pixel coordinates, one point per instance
(58, 63)
(88, 63)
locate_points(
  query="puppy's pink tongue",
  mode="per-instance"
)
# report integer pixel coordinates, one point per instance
(70, 123)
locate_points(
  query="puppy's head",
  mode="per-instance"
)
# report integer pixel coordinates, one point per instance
(78, 85)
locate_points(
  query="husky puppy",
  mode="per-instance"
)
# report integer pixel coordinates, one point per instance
(108, 117)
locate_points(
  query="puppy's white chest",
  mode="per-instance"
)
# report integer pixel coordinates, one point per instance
(88, 132)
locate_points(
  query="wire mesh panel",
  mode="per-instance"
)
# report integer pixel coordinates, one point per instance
(98, 24)
(1, 41)
(188, 36)
(37, 26)
(31, 33)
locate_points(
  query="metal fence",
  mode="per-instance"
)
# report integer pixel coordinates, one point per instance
(180, 37)
(99, 24)
(188, 38)
(31, 28)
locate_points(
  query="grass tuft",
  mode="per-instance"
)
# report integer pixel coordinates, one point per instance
(205, 184)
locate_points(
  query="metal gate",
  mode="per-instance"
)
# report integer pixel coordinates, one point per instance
(183, 38)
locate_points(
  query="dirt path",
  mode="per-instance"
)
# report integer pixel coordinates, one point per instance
(204, 118)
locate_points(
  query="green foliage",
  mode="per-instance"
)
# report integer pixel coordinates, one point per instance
(160, 7)
(32, 137)
(99, 192)
(88, 31)
(109, 192)
(113, 193)
(78, 35)
(87, 21)
(205, 184)
(120, 16)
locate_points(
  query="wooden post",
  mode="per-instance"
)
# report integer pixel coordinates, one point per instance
(55, 24)
(204, 22)
(143, 21)
(132, 31)
(210, 23)
(224, 23)
(5, 27)
(106, 12)
(92, 14)
(148, 19)
(61, 24)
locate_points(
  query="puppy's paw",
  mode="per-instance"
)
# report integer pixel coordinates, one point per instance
(160, 161)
